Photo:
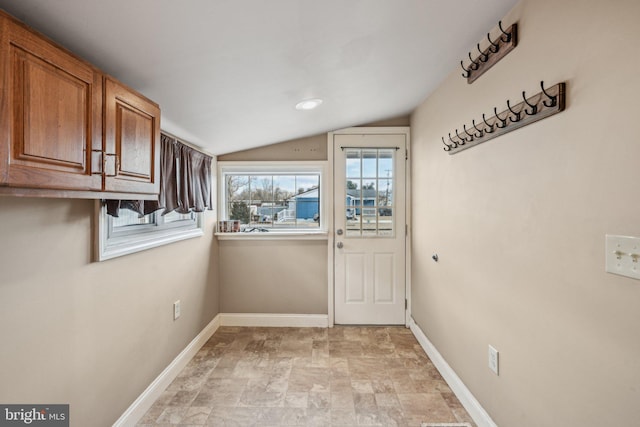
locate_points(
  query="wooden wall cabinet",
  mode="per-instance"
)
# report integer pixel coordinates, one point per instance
(66, 129)
(132, 141)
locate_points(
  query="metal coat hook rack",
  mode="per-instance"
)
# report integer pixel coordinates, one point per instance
(531, 109)
(494, 52)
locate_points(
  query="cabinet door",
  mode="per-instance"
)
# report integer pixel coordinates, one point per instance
(132, 141)
(50, 114)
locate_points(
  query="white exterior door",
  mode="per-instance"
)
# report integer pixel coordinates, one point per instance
(369, 219)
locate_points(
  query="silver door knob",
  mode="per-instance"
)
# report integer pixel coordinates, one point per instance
(339, 245)
(339, 231)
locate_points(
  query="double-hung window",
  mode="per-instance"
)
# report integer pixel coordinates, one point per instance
(130, 232)
(273, 197)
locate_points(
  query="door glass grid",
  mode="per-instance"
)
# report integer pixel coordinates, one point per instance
(369, 192)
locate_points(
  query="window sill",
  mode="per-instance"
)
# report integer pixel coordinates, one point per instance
(275, 235)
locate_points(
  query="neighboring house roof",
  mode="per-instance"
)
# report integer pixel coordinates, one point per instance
(310, 194)
(366, 194)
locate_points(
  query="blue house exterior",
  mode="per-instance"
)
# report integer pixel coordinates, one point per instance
(306, 204)
(353, 198)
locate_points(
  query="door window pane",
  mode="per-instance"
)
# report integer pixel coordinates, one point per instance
(369, 163)
(369, 195)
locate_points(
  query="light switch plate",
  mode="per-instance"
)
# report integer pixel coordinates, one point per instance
(493, 359)
(176, 310)
(622, 255)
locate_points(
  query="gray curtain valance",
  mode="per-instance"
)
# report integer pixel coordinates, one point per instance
(185, 182)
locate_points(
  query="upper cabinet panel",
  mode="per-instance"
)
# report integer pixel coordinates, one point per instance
(66, 129)
(51, 114)
(132, 140)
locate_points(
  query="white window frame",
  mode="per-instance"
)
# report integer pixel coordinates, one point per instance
(273, 168)
(136, 238)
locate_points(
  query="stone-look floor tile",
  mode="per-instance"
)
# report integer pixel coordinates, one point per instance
(343, 376)
(284, 417)
(296, 399)
(261, 399)
(392, 417)
(432, 405)
(229, 416)
(171, 415)
(308, 379)
(342, 384)
(183, 398)
(364, 401)
(152, 414)
(382, 386)
(225, 398)
(362, 386)
(387, 400)
(196, 415)
(319, 400)
(342, 400)
(318, 417)
(368, 417)
(343, 417)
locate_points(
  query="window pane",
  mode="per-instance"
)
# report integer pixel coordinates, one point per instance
(275, 201)
(385, 163)
(369, 163)
(261, 189)
(175, 216)
(128, 218)
(353, 162)
(385, 192)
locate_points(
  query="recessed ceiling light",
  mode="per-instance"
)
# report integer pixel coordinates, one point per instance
(308, 104)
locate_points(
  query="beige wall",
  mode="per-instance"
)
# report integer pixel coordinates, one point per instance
(93, 335)
(519, 223)
(273, 276)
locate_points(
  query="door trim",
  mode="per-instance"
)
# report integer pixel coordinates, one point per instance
(405, 130)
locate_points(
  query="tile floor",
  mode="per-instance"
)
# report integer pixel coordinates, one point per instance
(343, 376)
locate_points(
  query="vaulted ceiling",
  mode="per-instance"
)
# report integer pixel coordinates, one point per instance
(228, 73)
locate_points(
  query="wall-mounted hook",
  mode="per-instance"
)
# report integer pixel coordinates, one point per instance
(446, 147)
(553, 99)
(534, 107)
(464, 127)
(462, 140)
(495, 47)
(488, 125)
(522, 113)
(517, 114)
(508, 39)
(480, 131)
(467, 72)
(503, 121)
(434, 257)
(483, 56)
(474, 65)
(453, 143)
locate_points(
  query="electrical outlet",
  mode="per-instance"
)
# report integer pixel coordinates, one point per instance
(176, 310)
(493, 360)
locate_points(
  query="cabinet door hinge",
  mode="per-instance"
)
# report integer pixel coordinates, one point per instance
(406, 154)
(406, 304)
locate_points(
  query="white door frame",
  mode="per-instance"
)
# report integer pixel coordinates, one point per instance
(330, 207)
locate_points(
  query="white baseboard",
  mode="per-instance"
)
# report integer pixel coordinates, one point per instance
(142, 404)
(470, 403)
(275, 320)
